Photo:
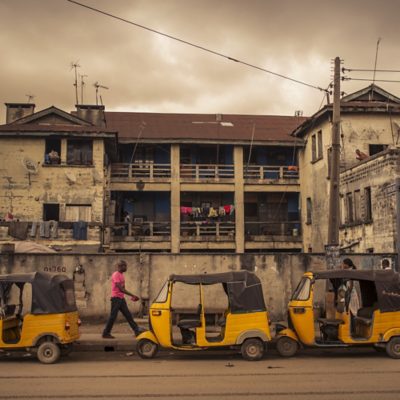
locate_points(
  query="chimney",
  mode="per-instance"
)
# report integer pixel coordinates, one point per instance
(92, 113)
(18, 110)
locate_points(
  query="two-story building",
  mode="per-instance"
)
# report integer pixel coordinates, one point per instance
(52, 185)
(370, 121)
(201, 182)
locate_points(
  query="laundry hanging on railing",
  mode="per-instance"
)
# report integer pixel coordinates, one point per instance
(208, 212)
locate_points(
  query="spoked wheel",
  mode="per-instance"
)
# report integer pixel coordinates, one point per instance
(48, 353)
(252, 349)
(393, 347)
(146, 348)
(286, 346)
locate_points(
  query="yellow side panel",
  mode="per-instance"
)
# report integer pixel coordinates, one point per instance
(303, 321)
(161, 324)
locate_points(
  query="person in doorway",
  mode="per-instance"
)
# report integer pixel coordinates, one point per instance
(118, 302)
(352, 297)
(54, 158)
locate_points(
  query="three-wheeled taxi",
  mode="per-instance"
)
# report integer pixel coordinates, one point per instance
(320, 313)
(38, 313)
(244, 323)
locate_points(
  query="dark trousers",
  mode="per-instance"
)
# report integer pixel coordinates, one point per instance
(118, 304)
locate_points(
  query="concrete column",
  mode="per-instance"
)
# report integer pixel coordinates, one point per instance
(175, 199)
(239, 198)
(63, 151)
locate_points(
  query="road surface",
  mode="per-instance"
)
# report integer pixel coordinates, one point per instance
(335, 374)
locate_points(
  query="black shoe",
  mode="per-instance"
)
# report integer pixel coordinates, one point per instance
(107, 336)
(139, 330)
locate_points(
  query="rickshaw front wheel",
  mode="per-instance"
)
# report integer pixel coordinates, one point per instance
(252, 349)
(393, 347)
(286, 346)
(146, 348)
(48, 352)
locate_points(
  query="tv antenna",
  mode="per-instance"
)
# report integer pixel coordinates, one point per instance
(75, 66)
(30, 97)
(82, 85)
(98, 86)
(376, 59)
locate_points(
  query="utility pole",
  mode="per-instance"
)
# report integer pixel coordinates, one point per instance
(334, 214)
(397, 186)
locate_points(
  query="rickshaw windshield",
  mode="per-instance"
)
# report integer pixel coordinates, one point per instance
(302, 291)
(163, 295)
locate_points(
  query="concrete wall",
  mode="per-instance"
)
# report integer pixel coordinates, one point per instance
(279, 273)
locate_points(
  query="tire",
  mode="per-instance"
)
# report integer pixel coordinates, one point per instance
(286, 346)
(48, 353)
(393, 347)
(252, 349)
(146, 348)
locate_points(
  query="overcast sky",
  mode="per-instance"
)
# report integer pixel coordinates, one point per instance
(146, 72)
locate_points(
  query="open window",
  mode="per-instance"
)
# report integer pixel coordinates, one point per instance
(51, 212)
(52, 152)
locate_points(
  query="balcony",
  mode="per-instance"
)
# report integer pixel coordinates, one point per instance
(208, 231)
(206, 172)
(149, 230)
(148, 172)
(283, 229)
(270, 173)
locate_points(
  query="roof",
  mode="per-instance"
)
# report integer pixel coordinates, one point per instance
(371, 99)
(224, 277)
(32, 276)
(205, 127)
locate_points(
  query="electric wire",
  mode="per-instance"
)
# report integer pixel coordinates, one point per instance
(369, 70)
(196, 45)
(344, 78)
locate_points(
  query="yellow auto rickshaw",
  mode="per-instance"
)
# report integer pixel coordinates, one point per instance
(320, 313)
(244, 323)
(38, 314)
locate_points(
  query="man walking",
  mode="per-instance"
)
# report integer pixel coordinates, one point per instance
(118, 302)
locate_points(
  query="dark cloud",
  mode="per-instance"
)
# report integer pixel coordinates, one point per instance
(144, 71)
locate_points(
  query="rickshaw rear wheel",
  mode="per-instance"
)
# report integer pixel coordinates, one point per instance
(286, 346)
(146, 348)
(48, 352)
(252, 349)
(393, 347)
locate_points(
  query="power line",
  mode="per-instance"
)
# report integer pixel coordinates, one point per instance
(344, 78)
(195, 45)
(368, 70)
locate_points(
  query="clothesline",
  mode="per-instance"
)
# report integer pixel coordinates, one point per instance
(209, 212)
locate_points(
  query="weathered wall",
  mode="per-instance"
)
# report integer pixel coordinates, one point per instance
(279, 273)
(379, 233)
(357, 132)
(26, 194)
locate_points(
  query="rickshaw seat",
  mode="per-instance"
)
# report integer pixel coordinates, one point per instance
(326, 321)
(189, 323)
(364, 321)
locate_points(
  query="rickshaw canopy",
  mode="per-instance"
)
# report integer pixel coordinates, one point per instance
(51, 294)
(386, 282)
(243, 288)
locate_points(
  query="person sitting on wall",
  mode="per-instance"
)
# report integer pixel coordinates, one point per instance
(360, 155)
(54, 158)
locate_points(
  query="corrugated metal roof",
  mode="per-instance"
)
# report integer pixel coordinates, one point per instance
(226, 127)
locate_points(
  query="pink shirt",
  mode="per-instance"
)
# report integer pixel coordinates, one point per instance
(117, 277)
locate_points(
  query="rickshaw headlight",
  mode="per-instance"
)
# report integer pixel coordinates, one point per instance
(67, 326)
(79, 322)
(156, 313)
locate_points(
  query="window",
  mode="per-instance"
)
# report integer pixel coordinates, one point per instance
(51, 212)
(367, 204)
(78, 212)
(163, 295)
(314, 148)
(52, 151)
(302, 291)
(320, 151)
(309, 211)
(80, 152)
(349, 207)
(376, 148)
(357, 206)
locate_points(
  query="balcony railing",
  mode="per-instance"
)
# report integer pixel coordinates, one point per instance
(273, 228)
(205, 228)
(268, 172)
(199, 172)
(140, 171)
(148, 228)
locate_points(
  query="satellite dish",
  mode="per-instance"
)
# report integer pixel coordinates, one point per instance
(71, 177)
(30, 165)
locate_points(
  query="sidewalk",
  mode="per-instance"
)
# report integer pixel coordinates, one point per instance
(91, 339)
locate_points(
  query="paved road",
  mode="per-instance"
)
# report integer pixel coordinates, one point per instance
(341, 374)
